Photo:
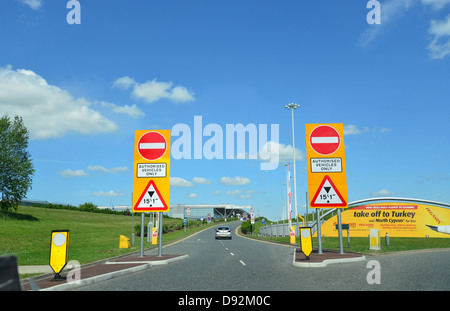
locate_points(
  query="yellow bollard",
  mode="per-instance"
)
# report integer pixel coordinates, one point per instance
(306, 241)
(374, 237)
(124, 242)
(292, 238)
(154, 236)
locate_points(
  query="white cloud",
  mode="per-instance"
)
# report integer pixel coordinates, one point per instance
(33, 4)
(383, 193)
(440, 45)
(132, 111)
(73, 173)
(236, 181)
(351, 130)
(124, 83)
(285, 152)
(436, 4)
(217, 192)
(201, 180)
(234, 192)
(180, 182)
(114, 170)
(245, 196)
(110, 193)
(354, 130)
(152, 91)
(47, 110)
(192, 195)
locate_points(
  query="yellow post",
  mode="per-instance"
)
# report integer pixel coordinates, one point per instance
(154, 236)
(124, 242)
(300, 216)
(292, 238)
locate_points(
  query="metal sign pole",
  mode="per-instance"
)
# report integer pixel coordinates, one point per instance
(341, 246)
(160, 234)
(319, 233)
(142, 234)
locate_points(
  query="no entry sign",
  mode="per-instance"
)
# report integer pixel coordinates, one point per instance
(151, 178)
(325, 152)
(152, 146)
(325, 139)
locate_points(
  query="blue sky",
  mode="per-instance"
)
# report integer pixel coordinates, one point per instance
(83, 89)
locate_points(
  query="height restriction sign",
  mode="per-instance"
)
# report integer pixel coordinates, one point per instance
(325, 152)
(151, 178)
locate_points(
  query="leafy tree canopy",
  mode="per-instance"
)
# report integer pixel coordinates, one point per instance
(16, 167)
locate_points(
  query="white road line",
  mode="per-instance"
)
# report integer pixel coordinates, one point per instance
(232, 254)
(243, 263)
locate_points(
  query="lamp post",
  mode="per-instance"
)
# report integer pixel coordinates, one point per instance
(289, 193)
(291, 107)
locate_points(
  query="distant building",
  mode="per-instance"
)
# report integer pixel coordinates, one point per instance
(201, 211)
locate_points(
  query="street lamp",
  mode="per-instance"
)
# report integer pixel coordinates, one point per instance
(291, 107)
(289, 194)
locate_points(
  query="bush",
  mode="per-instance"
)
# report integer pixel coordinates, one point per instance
(246, 227)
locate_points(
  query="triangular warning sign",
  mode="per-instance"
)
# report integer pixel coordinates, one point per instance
(327, 195)
(150, 199)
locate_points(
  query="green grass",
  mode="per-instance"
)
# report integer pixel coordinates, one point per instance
(92, 236)
(361, 244)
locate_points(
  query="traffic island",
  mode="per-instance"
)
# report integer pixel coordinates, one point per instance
(105, 270)
(322, 260)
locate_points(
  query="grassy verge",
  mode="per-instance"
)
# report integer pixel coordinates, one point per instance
(92, 236)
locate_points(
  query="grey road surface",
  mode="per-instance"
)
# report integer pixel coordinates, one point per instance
(242, 264)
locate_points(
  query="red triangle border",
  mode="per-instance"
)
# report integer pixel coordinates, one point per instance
(149, 209)
(335, 189)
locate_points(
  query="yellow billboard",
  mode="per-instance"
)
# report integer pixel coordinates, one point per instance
(395, 218)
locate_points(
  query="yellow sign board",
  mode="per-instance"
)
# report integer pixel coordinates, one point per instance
(151, 172)
(398, 219)
(327, 179)
(306, 240)
(59, 250)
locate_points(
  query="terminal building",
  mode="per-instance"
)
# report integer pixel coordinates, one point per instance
(198, 212)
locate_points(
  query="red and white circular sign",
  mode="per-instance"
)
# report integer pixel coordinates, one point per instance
(152, 146)
(325, 140)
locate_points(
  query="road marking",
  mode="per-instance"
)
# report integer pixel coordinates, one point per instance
(232, 254)
(243, 263)
(226, 248)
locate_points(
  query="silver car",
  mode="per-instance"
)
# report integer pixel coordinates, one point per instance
(223, 232)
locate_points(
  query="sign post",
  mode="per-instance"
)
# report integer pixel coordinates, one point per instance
(327, 179)
(151, 178)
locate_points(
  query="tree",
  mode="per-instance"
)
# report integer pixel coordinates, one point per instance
(16, 167)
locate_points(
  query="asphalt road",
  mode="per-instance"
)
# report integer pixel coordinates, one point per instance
(243, 264)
